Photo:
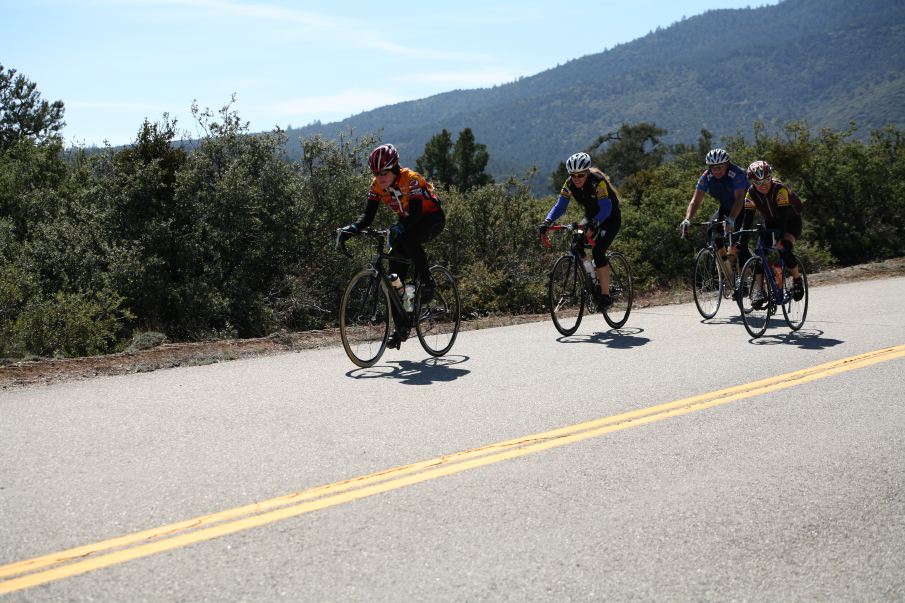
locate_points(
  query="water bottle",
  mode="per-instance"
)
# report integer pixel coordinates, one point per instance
(589, 268)
(777, 274)
(408, 300)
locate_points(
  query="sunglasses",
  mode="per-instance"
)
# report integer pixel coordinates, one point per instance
(383, 172)
(719, 166)
(756, 182)
(579, 174)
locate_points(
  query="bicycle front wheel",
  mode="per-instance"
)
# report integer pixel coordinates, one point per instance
(565, 295)
(364, 319)
(440, 317)
(707, 283)
(754, 297)
(620, 291)
(794, 311)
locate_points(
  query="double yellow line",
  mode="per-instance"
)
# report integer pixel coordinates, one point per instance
(56, 566)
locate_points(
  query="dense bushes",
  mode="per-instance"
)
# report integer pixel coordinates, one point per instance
(231, 238)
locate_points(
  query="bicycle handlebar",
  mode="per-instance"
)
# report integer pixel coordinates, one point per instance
(374, 233)
(708, 224)
(573, 227)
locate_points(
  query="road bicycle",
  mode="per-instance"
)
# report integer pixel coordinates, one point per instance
(765, 284)
(572, 284)
(370, 302)
(713, 278)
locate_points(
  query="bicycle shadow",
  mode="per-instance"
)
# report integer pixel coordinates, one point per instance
(806, 339)
(619, 339)
(731, 320)
(427, 371)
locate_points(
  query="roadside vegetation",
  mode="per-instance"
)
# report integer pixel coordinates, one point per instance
(228, 237)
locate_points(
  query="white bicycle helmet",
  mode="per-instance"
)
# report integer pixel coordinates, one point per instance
(716, 157)
(579, 162)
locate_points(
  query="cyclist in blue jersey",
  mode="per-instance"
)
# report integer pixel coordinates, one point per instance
(592, 188)
(727, 183)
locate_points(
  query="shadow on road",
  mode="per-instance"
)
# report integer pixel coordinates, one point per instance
(620, 339)
(806, 339)
(425, 372)
(731, 320)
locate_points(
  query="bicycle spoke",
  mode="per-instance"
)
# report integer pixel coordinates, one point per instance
(440, 317)
(755, 297)
(794, 311)
(565, 295)
(364, 319)
(621, 291)
(706, 283)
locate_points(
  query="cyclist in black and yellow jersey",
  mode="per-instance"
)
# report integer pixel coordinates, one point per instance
(592, 188)
(781, 210)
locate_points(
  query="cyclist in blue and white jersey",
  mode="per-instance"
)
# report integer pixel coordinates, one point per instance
(727, 183)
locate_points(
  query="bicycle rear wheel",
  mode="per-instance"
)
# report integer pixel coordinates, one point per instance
(754, 297)
(707, 283)
(794, 311)
(620, 291)
(364, 319)
(439, 319)
(565, 295)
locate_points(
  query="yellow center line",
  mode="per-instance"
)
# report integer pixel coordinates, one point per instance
(83, 559)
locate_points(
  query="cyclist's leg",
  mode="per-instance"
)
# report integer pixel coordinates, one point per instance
(793, 231)
(605, 236)
(398, 265)
(411, 242)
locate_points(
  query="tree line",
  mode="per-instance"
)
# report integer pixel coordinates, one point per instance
(230, 237)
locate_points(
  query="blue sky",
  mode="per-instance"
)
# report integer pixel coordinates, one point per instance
(115, 63)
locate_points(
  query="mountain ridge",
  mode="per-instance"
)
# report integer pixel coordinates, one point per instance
(828, 62)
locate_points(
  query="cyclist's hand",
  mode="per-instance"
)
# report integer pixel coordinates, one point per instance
(346, 232)
(542, 227)
(396, 230)
(683, 227)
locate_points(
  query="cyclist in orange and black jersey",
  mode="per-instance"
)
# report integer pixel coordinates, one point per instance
(420, 217)
(781, 210)
(591, 187)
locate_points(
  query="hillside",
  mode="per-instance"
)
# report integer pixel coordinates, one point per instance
(829, 62)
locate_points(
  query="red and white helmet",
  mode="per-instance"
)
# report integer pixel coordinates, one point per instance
(759, 171)
(384, 157)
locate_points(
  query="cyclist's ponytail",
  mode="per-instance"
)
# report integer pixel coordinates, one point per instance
(602, 175)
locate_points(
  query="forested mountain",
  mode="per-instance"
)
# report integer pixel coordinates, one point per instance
(829, 62)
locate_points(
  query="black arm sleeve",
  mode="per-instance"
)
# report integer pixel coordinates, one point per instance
(365, 219)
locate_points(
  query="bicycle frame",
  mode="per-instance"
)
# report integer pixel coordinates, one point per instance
(620, 282)
(711, 245)
(581, 240)
(779, 296)
(383, 253)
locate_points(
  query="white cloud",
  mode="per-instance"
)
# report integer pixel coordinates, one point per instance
(352, 32)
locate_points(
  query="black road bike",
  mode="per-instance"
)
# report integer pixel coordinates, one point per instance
(714, 278)
(571, 288)
(766, 285)
(370, 303)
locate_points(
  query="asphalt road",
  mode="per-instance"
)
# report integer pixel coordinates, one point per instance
(790, 489)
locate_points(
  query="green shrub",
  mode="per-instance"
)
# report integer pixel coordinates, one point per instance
(71, 324)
